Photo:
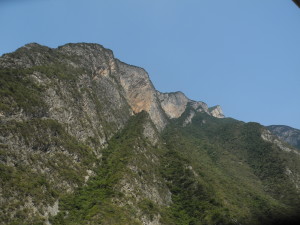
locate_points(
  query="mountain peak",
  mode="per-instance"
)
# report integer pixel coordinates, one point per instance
(32, 44)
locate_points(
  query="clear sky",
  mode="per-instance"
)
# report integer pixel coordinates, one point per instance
(242, 55)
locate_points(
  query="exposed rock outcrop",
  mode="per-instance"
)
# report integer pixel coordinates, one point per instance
(270, 137)
(287, 134)
(216, 111)
(140, 93)
(174, 104)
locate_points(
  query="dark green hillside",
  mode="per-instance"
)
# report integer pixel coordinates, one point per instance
(247, 174)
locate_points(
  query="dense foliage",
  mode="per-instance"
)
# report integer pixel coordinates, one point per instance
(246, 175)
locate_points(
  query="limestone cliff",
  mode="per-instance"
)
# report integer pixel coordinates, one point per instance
(140, 93)
(175, 103)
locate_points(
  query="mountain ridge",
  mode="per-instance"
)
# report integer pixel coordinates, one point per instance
(135, 103)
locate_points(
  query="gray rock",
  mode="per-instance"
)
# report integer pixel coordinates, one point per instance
(287, 134)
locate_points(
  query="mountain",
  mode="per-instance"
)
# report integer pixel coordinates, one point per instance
(87, 139)
(287, 134)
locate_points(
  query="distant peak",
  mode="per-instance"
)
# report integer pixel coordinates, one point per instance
(32, 44)
(83, 45)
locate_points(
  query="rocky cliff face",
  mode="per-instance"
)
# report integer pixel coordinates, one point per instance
(75, 98)
(140, 93)
(174, 104)
(287, 134)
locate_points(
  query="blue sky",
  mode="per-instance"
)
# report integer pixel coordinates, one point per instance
(242, 55)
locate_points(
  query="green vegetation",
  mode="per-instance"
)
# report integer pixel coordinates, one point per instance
(19, 92)
(23, 184)
(193, 200)
(27, 184)
(92, 203)
(242, 174)
(60, 71)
